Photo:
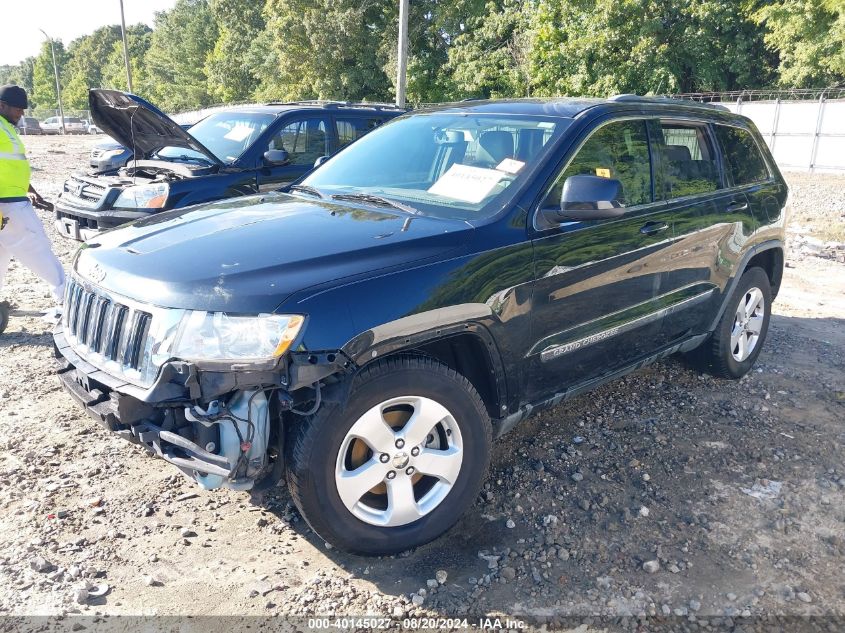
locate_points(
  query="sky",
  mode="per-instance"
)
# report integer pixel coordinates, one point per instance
(66, 20)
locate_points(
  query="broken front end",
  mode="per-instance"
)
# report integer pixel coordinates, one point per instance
(209, 392)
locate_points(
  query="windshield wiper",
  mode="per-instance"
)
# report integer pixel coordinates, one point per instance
(306, 189)
(376, 201)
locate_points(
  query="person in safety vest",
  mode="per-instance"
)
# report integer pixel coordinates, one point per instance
(22, 235)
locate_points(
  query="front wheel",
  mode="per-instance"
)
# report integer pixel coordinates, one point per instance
(395, 465)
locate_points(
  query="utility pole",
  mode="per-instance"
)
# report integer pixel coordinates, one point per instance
(402, 66)
(58, 85)
(125, 48)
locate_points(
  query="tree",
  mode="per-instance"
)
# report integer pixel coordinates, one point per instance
(324, 49)
(230, 66)
(138, 39)
(43, 92)
(808, 37)
(183, 38)
(603, 47)
(492, 58)
(86, 60)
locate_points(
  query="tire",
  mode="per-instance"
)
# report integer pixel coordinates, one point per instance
(721, 355)
(324, 452)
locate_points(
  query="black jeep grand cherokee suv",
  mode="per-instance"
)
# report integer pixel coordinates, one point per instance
(367, 333)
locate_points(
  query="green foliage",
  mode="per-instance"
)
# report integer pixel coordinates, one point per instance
(492, 58)
(175, 63)
(230, 65)
(809, 38)
(20, 75)
(603, 47)
(138, 40)
(211, 51)
(324, 49)
(43, 92)
(84, 69)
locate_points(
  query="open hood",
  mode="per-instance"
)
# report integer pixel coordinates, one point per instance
(139, 125)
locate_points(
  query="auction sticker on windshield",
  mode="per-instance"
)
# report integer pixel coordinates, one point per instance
(466, 183)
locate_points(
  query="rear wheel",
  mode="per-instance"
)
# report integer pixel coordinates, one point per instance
(738, 338)
(395, 465)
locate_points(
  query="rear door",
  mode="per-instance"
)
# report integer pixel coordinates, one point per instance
(594, 307)
(710, 218)
(305, 137)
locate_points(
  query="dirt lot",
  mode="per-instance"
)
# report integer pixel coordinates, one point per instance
(653, 469)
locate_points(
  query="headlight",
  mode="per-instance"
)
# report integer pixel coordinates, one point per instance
(112, 153)
(212, 337)
(143, 197)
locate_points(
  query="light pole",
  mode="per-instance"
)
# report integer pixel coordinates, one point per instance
(402, 66)
(58, 86)
(125, 48)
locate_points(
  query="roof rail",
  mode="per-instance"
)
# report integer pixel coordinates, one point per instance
(326, 103)
(665, 99)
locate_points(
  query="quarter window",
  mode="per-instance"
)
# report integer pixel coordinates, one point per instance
(743, 160)
(304, 141)
(617, 150)
(688, 159)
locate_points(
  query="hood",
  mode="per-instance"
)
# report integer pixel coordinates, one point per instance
(247, 255)
(139, 125)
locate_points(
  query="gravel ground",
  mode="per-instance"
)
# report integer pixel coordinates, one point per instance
(667, 493)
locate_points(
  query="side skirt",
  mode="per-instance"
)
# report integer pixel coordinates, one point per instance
(508, 423)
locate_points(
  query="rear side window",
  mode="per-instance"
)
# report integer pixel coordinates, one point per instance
(617, 150)
(688, 160)
(352, 128)
(743, 161)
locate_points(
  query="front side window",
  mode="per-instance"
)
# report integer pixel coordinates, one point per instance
(227, 135)
(617, 150)
(688, 160)
(443, 164)
(743, 161)
(304, 140)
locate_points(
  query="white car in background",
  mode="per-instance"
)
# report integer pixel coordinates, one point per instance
(73, 125)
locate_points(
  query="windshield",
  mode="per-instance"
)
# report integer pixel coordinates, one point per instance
(444, 165)
(225, 134)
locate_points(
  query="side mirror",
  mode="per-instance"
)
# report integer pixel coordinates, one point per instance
(320, 161)
(276, 157)
(587, 197)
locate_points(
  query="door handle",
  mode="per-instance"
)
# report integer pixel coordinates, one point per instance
(735, 206)
(650, 228)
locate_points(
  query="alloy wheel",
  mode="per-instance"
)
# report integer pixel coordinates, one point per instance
(748, 322)
(399, 461)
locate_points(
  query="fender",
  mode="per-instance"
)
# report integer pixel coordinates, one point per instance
(740, 269)
(410, 332)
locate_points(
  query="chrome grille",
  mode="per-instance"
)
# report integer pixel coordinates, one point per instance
(106, 329)
(84, 190)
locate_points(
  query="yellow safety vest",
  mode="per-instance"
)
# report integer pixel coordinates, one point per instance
(14, 168)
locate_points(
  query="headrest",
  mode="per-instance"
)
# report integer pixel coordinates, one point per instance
(497, 145)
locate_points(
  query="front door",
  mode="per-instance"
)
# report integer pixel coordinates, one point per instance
(596, 283)
(305, 139)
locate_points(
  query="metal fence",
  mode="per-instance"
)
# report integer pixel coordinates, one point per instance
(805, 129)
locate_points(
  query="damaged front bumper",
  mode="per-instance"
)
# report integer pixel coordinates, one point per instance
(218, 427)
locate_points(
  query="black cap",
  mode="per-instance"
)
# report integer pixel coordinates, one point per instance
(15, 96)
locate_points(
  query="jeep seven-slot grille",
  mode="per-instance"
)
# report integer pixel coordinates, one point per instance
(115, 331)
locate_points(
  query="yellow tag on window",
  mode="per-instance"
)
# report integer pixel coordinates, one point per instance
(603, 172)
